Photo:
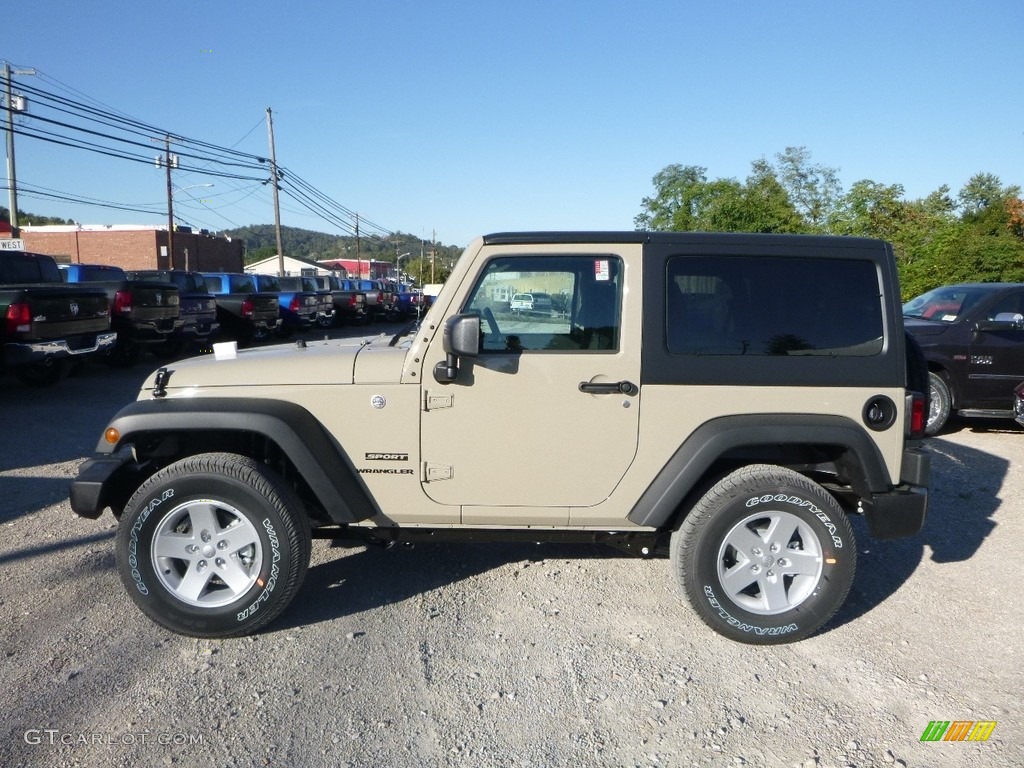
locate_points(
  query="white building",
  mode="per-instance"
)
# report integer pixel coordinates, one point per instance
(294, 266)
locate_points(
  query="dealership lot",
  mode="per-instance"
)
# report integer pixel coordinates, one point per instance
(500, 654)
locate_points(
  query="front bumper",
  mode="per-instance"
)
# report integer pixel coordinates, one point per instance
(101, 483)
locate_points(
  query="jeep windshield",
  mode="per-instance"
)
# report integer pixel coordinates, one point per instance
(943, 305)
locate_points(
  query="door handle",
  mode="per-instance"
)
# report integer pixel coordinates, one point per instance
(609, 387)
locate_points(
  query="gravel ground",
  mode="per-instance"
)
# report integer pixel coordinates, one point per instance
(499, 655)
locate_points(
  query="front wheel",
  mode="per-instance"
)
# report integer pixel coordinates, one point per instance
(940, 403)
(214, 545)
(766, 556)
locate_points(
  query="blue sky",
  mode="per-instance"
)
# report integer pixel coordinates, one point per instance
(466, 118)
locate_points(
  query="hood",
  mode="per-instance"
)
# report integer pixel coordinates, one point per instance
(919, 327)
(315, 363)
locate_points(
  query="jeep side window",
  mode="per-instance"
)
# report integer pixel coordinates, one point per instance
(549, 304)
(764, 305)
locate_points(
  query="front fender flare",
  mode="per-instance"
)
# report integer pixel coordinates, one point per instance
(317, 456)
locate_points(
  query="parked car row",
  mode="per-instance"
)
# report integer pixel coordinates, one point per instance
(54, 314)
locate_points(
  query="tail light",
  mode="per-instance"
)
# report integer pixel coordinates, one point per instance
(18, 318)
(294, 305)
(123, 302)
(917, 415)
(247, 307)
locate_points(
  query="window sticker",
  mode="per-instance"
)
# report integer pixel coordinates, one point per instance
(601, 271)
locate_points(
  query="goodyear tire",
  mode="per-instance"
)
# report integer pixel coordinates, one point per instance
(214, 545)
(765, 557)
(940, 403)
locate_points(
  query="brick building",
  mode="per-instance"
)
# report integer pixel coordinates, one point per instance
(363, 268)
(135, 247)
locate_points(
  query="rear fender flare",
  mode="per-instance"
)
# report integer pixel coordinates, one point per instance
(658, 505)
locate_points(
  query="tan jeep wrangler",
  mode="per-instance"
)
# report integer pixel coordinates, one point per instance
(728, 400)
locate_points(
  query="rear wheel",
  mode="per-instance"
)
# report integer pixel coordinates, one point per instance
(214, 545)
(766, 556)
(125, 354)
(42, 374)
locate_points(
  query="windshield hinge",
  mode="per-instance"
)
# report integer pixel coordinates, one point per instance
(435, 401)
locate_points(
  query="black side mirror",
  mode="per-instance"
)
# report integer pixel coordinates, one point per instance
(461, 339)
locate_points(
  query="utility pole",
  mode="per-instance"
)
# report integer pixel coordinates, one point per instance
(433, 240)
(12, 106)
(277, 201)
(169, 159)
(359, 255)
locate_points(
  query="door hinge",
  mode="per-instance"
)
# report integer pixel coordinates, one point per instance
(432, 472)
(436, 401)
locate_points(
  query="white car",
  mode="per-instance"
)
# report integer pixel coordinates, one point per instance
(532, 303)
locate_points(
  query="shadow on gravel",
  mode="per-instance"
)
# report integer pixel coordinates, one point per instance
(368, 579)
(961, 505)
(57, 546)
(64, 422)
(24, 495)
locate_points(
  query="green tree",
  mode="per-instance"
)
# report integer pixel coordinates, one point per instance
(768, 206)
(679, 192)
(980, 191)
(814, 190)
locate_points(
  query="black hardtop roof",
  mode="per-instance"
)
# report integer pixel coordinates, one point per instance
(679, 238)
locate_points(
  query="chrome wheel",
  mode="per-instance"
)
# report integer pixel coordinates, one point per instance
(770, 562)
(206, 553)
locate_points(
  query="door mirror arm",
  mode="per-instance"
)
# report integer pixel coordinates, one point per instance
(461, 339)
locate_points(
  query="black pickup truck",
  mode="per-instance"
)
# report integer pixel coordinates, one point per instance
(972, 336)
(142, 313)
(197, 308)
(245, 314)
(349, 301)
(46, 323)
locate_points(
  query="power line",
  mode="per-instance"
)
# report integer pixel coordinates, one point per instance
(120, 135)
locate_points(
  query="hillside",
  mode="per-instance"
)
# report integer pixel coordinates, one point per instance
(260, 243)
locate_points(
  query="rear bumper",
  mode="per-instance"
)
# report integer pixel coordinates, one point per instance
(16, 353)
(299, 319)
(200, 331)
(149, 331)
(902, 511)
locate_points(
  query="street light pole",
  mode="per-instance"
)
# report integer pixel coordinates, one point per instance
(398, 264)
